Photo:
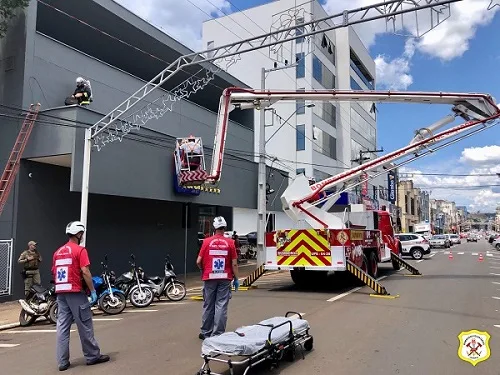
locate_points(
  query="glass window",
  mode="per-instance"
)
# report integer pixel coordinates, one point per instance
(300, 171)
(317, 69)
(320, 175)
(300, 104)
(325, 45)
(300, 69)
(355, 149)
(301, 137)
(363, 127)
(324, 143)
(355, 85)
(329, 114)
(299, 30)
(322, 74)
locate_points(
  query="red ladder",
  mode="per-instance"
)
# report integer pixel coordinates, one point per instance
(10, 172)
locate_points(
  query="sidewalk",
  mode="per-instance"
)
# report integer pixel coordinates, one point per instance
(9, 311)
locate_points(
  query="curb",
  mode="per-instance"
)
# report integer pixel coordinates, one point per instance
(9, 326)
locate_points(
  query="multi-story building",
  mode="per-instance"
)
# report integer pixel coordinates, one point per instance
(425, 207)
(134, 203)
(318, 139)
(409, 201)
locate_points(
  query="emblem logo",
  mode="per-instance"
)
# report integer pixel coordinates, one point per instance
(474, 346)
(342, 237)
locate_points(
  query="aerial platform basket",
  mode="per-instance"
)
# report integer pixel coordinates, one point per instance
(190, 161)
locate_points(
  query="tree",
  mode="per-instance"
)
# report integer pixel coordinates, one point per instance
(8, 9)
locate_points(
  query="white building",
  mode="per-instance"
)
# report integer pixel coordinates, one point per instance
(318, 141)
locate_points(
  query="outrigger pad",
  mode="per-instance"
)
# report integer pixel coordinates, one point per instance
(249, 340)
(197, 177)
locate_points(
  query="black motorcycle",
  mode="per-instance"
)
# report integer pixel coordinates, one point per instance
(40, 301)
(131, 283)
(167, 285)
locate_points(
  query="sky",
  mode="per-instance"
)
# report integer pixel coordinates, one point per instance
(461, 54)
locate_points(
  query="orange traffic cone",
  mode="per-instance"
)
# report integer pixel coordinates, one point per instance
(480, 259)
(450, 256)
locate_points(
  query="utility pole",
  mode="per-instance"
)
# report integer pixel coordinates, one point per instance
(361, 158)
(261, 196)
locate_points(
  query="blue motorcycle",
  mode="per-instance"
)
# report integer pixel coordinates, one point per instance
(109, 299)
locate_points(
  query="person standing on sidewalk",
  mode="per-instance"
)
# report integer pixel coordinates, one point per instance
(218, 262)
(30, 259)
(70, 264)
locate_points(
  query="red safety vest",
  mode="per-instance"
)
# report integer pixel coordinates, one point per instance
(217, 253)
(66, 268)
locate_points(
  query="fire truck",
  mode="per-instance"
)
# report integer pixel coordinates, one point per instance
(355, 240)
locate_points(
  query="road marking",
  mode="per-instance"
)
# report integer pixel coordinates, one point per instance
(494, 267)
(475, 254)
(430, 256)
(495, 297)
(8, 345)
(36, 331)
(494, 274)
(336, 298)
(461, 253)
(496, 282)
(489, 255)
(141, 310)
(497, 325)
(106, 319)
(421, 260)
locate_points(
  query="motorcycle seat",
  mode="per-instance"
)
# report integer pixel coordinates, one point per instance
(37, 288)
(155, 279)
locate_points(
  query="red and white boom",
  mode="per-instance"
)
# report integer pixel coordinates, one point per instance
(478, 110)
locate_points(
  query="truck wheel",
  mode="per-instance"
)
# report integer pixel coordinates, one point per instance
(417, 253)
(373, 264)
(395, 265)
(298, 277)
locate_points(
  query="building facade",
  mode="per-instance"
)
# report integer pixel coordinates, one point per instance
(134, 204)
(321, 138)
(409, 201)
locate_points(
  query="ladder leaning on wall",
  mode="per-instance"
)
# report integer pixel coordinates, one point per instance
(12, 167)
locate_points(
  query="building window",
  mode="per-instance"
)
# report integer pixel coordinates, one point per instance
(355, 85)
(406, 204)
(320, 175)
(329, 114)
(355, 149)
(324, 143)
(210, 45)
(361, 71)
(300, 69)
(301, 137)
(363, 127)
(300, 104)
(326, 46)
(300, 171)
(322, 74)
(299, 30)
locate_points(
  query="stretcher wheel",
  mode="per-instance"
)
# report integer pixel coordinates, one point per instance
(291, 354)
(308, 344)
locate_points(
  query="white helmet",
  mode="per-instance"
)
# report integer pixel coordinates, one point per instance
(219, 222)
(79, 80)
(75, 227)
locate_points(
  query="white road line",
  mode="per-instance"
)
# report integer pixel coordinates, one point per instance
(336, 298)
(494, 267)
(497, 325)
(36, 331)
(430, 256)
(461, 253)
(496, 282)
(494, 274)
(8, 345)
(489, 255)
(475, 254)
(106, 319)
(140, 310)
(421, 260)
(495, 297)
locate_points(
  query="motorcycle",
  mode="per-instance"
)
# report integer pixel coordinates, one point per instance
(132, 285)
(168, 286)
(39, 302)
(111, 300)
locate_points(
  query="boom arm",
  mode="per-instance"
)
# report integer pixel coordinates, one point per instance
(479, 111)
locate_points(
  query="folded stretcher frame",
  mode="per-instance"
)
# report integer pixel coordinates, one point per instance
(253, 348)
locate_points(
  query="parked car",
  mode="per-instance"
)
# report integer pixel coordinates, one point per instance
(455, 239)
(439, 240)
(414, 245)
(496, 243)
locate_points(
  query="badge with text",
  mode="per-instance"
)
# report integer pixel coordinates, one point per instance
(474, 346)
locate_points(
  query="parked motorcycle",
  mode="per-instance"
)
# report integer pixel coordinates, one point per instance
(167, 285)
(111, 300)
(133, 286)
(39, 302)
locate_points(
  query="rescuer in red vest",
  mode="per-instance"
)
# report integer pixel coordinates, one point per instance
(70, 270)
(218, 262)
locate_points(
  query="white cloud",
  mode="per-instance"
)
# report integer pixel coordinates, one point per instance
(180, 19)
(461, 189)
(446, 41)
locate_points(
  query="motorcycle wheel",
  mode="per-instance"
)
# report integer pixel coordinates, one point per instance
(176, 292)
(53, 313)
(25, 319)
(135, 296)
(110, 306)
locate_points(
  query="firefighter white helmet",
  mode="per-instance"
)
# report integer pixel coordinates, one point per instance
(75, 227)
(80, 80)
(219, 222)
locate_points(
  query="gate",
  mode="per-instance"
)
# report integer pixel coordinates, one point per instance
(6, 254)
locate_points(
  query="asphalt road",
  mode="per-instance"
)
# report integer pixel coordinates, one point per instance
(353, 332)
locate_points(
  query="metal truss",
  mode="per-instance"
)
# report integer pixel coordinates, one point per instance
(230, 52)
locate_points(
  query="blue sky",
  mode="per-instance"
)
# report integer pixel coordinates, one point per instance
(462, 55)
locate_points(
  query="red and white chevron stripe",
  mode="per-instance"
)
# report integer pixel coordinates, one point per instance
(196, 177)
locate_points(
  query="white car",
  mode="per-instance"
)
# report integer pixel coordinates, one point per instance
(496, 243)
(455, 239)
(414, 244)
(439, 240)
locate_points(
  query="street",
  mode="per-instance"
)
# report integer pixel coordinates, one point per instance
(353, 333)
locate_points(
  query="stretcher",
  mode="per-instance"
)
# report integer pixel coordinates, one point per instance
(271, 340)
